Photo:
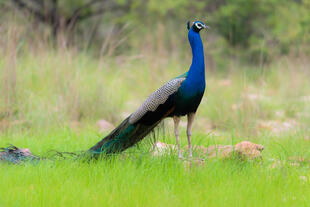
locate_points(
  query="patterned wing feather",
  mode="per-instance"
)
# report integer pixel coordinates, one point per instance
(155, 99)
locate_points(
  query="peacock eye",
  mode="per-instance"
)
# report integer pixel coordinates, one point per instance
(198, 25)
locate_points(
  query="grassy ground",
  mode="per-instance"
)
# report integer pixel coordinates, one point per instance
(139, 179)
(52, 100)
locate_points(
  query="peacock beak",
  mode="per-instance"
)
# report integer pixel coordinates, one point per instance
(206, 27)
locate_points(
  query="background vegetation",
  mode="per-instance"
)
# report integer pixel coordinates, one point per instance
(64, 65)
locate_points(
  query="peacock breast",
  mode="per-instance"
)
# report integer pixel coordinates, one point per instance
(188, 99)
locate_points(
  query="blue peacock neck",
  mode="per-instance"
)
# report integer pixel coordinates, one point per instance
(196, 72)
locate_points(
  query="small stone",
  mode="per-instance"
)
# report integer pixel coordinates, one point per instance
(248, 149)
(25, 152)
(160, 148)
(16, 155)
(243, 149)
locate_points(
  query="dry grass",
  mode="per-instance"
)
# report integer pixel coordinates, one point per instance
(43, 87)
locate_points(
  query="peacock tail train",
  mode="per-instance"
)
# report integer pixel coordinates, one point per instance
(122, 137)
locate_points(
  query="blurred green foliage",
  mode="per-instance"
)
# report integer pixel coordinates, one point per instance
(258, 30)
(239, 20)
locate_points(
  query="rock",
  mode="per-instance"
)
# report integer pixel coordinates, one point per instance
(16, 155)
(104, 125)
(249, 150)
(25, 152)
(244, 150)
(160, 148)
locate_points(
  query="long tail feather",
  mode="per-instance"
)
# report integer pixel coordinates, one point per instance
(122, 137)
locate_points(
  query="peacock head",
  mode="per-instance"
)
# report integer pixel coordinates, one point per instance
(197, 26)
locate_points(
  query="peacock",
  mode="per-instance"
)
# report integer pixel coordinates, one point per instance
(180, 96)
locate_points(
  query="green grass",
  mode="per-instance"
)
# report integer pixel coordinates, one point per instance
(138, 179)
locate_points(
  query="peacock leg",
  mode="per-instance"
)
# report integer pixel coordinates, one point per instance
(176, 120)
(190, 120)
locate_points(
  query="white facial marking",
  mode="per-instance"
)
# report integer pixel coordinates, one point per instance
(198, 25)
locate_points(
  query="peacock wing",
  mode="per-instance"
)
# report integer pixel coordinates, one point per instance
(157, 102)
